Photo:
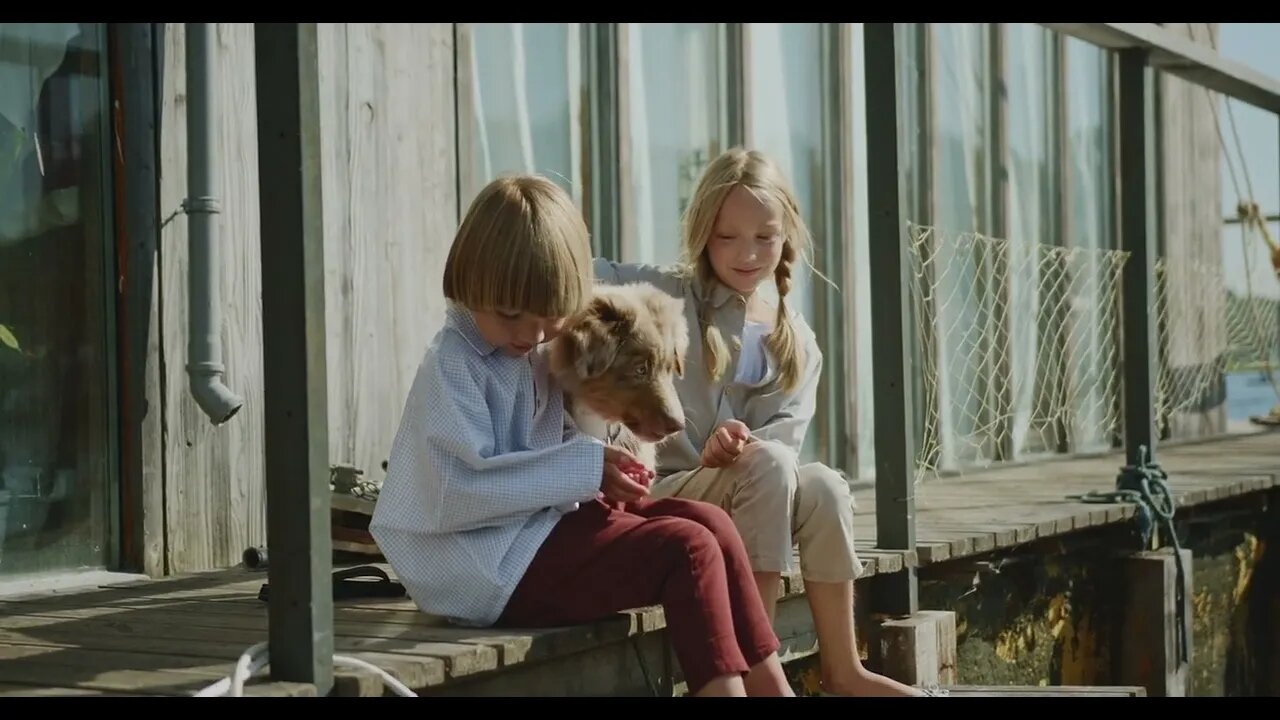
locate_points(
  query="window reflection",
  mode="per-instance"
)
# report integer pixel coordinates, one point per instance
(56, 454)
(674, 128)
(786, 124)
(524, 93)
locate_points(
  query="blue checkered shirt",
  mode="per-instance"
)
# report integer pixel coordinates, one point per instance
(484, 463)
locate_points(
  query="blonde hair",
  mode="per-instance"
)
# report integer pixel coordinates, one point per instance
(522, 246)
(754, 171)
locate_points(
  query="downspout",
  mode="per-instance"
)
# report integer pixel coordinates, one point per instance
(204, 304)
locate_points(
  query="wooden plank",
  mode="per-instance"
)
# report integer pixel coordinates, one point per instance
(958, 544)
(214, 478)
(410, 662)
(108, 670)
(390, 203)
(438, 655)
(932, 552)
(1043, 691)
(19, 690)
(463, 650)
(1001, 536)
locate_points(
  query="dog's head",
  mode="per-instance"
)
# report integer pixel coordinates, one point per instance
(620, 358)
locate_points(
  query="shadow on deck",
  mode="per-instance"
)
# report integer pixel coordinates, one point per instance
(177, 635)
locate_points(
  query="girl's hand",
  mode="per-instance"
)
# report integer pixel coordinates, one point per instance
(624, 479)
(725, 444)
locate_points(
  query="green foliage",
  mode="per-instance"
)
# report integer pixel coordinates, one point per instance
(8, 339)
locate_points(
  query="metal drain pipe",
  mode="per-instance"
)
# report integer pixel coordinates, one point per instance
(204, 309)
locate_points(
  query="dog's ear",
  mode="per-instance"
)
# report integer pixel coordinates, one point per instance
(595, 349)
(595, 337)
(604, 310)
(668, 312)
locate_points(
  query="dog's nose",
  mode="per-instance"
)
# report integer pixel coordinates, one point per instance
(672, 425)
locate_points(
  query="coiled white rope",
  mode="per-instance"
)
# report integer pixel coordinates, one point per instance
(257, 657)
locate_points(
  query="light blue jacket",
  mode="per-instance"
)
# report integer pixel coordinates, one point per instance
(483, 465)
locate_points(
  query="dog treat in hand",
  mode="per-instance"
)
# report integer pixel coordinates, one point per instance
(638, 473)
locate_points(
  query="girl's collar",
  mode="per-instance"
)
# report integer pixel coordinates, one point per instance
(718, 294)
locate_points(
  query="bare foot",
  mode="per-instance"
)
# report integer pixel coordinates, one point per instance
(864, 683)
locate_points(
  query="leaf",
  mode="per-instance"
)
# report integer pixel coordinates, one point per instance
(7, 337)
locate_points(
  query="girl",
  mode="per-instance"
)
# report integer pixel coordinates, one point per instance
(493, 509)
(749, 391)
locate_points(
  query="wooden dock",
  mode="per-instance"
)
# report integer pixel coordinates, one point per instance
(177, 635)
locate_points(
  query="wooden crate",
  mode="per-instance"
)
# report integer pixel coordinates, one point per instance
(350, 526)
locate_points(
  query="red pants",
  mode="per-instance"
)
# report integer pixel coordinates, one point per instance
(682, 554)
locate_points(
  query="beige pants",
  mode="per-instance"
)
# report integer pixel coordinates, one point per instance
(776, 503)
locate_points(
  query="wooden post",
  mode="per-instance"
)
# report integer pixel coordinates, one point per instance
(891, 359)
(918, 650)
(1139, 271)
(1147, 631)
(296, 416)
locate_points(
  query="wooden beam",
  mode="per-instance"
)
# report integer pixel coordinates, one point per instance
(890, 321)
(295, 393)
(1139, 270)
(919, 650)
(137, 205)
(1182, 57)
(1149, 652)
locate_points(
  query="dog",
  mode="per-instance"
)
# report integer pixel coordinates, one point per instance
(617, 362)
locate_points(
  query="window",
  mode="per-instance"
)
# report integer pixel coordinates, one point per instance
(673, 121)
(57, 449)
(1033, 310)
(958, 375)
(791, 111)
(1015, 274)
(1089, 224)
(520, 89)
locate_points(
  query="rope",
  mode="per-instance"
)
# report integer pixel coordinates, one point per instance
(257, 657)
(1146, 486)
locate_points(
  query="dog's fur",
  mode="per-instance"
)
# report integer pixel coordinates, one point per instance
(617, 362)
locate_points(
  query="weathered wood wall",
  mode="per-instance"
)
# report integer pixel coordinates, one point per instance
(1191, 233)
(213, 477)
(390, 189)
(390, 206)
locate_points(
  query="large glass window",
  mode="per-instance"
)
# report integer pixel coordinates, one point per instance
(1033, 310)
(57, 454)
(1090, 226)
(956, 267)
(673, 123)
(1015, 279)
(788, 115)
(521, 90)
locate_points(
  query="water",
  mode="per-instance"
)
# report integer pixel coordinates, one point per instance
(1249, 394)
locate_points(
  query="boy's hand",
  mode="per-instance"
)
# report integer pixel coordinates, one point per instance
(624, 479)
(725, 444)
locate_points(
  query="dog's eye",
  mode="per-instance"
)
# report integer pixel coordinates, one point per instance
(642, 369)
